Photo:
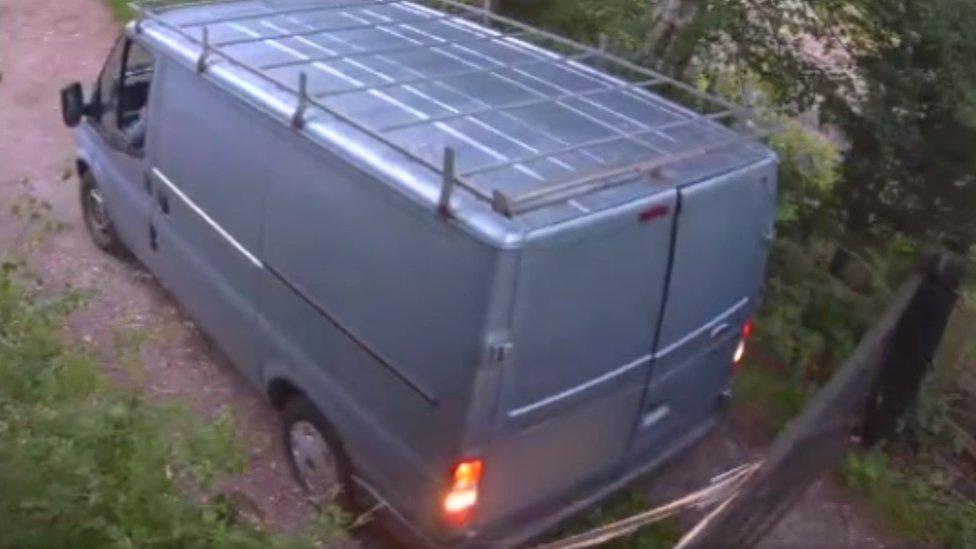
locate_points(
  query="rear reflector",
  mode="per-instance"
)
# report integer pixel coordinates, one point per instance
(653, 213)
(463, 494)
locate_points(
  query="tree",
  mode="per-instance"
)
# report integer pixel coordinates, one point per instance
(911, 167)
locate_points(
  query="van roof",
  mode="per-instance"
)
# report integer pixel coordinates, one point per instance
(534, 121)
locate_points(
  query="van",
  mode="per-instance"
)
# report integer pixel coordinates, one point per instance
(487, 275)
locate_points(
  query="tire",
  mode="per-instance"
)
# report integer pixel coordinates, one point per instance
(97, 221)
(315, 454)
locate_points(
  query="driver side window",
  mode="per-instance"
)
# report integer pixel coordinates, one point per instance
(123, 94)
(109, 85)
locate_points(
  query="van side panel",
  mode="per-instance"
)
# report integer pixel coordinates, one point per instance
(587, 304)
(380, 307)
(208, 162)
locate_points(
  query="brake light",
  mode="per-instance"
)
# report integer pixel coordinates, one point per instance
(740, 351)
(462, 497)
(748, 328)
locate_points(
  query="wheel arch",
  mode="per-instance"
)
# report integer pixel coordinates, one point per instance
(82, 167)
(280, 390)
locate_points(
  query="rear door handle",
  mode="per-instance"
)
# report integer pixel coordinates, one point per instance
(163, 200)
(720, 330)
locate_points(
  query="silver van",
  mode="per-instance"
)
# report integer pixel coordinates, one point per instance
(488, 275)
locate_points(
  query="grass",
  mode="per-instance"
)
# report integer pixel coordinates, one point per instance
(84, 463)
(915, 497)
(771, 398)
(660, 535)
(120, 10)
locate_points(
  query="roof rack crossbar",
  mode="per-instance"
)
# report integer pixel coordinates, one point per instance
(344, 28)
(603, 55)
(604, 178)
(561, 60)
(286, 11)
(458, 180)
(392, 50)
(518, 105)
(603, 141)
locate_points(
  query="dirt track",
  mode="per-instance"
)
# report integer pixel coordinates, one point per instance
(47, 43)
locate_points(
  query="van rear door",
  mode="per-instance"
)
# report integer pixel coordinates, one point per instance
(723, 232)
(586, 309)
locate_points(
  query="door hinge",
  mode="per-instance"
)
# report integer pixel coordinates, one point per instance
(499, 352)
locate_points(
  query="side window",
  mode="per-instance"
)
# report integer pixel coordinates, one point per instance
(123, 93)
(108, 85)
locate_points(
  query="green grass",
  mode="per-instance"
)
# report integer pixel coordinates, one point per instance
(771, 398)
(915, 497)
(660, 535)
(84, 463)
(120, 10)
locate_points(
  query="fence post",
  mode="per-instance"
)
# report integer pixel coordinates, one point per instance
(913, 346)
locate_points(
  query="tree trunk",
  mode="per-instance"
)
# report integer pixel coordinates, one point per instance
(671, 19)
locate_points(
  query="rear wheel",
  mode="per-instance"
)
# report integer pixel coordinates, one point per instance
(314, 452)
(97, 220)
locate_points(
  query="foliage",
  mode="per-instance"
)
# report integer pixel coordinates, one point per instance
(624, 22)
(120, 10)
(911, 166)
(916, 497)
(658, 535)
(84, 463)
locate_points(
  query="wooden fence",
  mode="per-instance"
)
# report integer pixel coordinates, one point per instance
(862, 402)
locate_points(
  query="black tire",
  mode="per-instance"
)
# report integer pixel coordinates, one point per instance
(297, 416)
(97, 221)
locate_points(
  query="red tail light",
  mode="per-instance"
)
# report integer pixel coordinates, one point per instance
(462, 497)
(740, 351)
(748, 328)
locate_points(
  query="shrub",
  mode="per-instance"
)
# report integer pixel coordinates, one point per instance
(86, 464)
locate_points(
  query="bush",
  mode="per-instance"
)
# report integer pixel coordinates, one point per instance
(86, 464)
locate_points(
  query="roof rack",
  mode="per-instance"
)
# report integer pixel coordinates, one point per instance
(491, 27)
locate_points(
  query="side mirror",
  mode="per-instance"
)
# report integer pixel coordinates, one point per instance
(72, 105)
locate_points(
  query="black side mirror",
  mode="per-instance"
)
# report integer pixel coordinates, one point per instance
(72, 105)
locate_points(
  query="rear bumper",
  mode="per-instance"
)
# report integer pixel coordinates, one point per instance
(518, 534)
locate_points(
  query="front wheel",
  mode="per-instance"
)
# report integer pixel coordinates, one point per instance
(97, 220)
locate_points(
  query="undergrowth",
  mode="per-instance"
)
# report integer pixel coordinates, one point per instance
(658, 535)
(87, 463)
(916, 496)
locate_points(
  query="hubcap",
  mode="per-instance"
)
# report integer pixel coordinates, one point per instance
(97, 215)
(313, 461)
